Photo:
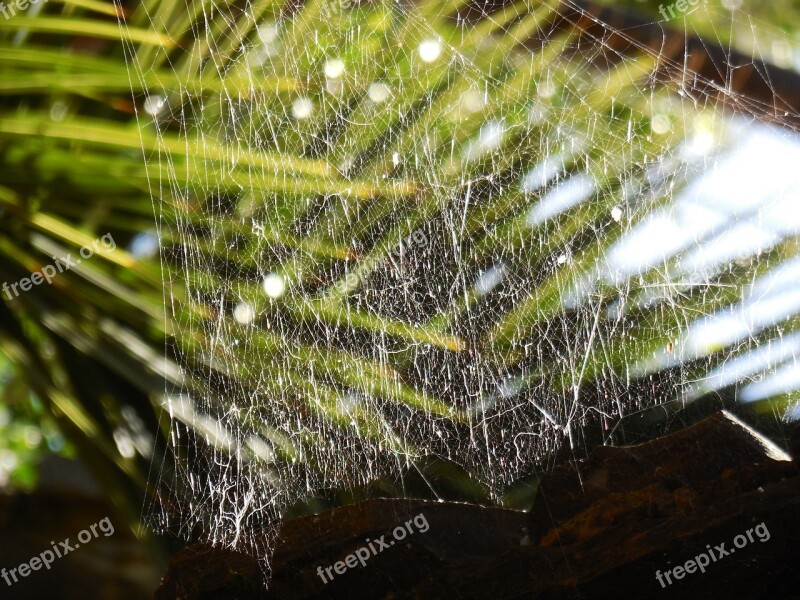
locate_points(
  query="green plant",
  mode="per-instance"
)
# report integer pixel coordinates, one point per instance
(288, 159)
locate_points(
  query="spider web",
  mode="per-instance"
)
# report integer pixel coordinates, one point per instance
(489, 235)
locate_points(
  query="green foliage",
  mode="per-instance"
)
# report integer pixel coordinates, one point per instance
(27, 432)
(75, 164)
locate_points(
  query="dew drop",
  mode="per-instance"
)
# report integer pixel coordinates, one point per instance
(334, 69)
(274, 285)
(378, 92)
(430, 50)
(244, 313)
(302, 108)
(153, 105)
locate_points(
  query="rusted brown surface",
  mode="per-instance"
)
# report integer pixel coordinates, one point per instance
(600, 528)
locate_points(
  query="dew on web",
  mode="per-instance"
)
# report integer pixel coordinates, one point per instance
(393, 231)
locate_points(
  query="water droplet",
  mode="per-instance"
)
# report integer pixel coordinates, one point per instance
(274, 285)
(379, 92)
(153, 105)
(430, 50)
(244, 313)
(334, 69)
(302, 108)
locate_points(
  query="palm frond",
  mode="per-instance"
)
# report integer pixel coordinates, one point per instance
(437, 213)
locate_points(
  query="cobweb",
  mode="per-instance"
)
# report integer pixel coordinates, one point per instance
(392, 231)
